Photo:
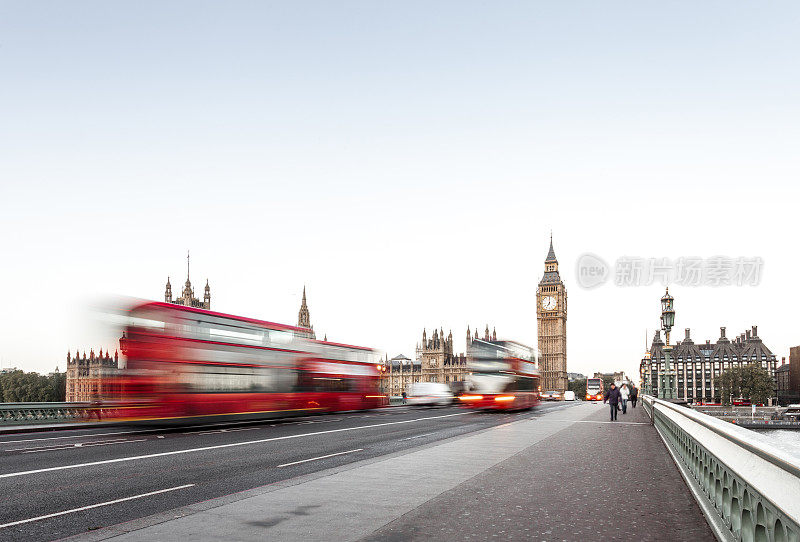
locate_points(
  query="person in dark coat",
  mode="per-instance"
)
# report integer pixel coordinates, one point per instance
(634, 395)
(612, 397)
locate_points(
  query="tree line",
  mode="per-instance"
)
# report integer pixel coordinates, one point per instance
(21, 387)
(750, 382)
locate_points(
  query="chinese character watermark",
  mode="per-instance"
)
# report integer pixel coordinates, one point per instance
(593, 271)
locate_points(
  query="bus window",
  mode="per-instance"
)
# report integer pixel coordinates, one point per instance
(326, 384)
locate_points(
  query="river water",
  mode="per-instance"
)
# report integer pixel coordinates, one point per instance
(787, 440)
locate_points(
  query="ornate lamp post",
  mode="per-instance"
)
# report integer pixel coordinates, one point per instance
(666, 376)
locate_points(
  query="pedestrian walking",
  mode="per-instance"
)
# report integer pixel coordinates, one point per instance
(634, 395)
(612, 398)
(404, 396)
(624, 394)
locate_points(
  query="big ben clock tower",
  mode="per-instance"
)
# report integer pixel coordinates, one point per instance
(551, 317)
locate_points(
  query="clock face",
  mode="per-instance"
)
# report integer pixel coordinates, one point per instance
(549, 303)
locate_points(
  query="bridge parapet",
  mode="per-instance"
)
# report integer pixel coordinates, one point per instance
(748, 489)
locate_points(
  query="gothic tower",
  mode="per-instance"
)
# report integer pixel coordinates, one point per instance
(551, 317)
(304, 317)
(187, 298)
(437, 351)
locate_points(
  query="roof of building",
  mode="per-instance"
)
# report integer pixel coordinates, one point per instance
(551, 254)
(746, 347)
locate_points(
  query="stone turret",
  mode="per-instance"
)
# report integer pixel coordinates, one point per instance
(304, 316)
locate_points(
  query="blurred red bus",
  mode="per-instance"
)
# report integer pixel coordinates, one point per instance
(186, 364)
(505, 376)
(594, 389)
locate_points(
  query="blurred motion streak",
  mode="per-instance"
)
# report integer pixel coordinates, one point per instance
(505, 375)
(186, 364)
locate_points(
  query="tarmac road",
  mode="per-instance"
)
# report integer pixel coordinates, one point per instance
(62, 483)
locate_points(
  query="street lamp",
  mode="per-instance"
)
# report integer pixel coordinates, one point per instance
(667, 314)
(666, 377)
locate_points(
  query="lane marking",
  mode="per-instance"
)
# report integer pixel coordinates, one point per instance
(82, 508)
(90, 435)
(598, 421)
(66, 445)
(320, 457)
(220, 446)
(38, 450)
(418, 436)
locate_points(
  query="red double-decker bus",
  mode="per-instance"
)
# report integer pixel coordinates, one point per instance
(505, 376)
(187, 364)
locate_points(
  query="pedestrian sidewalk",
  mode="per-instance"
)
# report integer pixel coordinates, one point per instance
(567, 475)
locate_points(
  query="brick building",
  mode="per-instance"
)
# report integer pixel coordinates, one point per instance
(787, 378)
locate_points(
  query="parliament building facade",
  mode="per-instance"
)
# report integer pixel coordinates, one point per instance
(435, 362)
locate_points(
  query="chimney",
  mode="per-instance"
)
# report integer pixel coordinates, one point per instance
(722, 332)
(688, 335)
(755, 331)
(747, 335)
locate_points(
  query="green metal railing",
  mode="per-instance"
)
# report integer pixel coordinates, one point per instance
(32, 413)
(748, 489)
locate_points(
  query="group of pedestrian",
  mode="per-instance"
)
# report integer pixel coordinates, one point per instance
(618, 398)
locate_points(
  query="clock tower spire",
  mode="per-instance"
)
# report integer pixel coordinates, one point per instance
(551, 318)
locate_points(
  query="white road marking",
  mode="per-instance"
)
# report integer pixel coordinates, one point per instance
(598, 421)
(320, 457)
(89, 435)
(417, 436)
(65, 446)
(220, 446)
(82, 508)
(81, 445)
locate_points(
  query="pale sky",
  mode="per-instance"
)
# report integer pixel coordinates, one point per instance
(406, 161)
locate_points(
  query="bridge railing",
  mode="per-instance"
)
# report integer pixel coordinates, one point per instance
(18, 413)
(748, 489)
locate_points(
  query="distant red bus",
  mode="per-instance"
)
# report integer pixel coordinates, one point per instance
(505, 376)
(594, 389)
(189, 364)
